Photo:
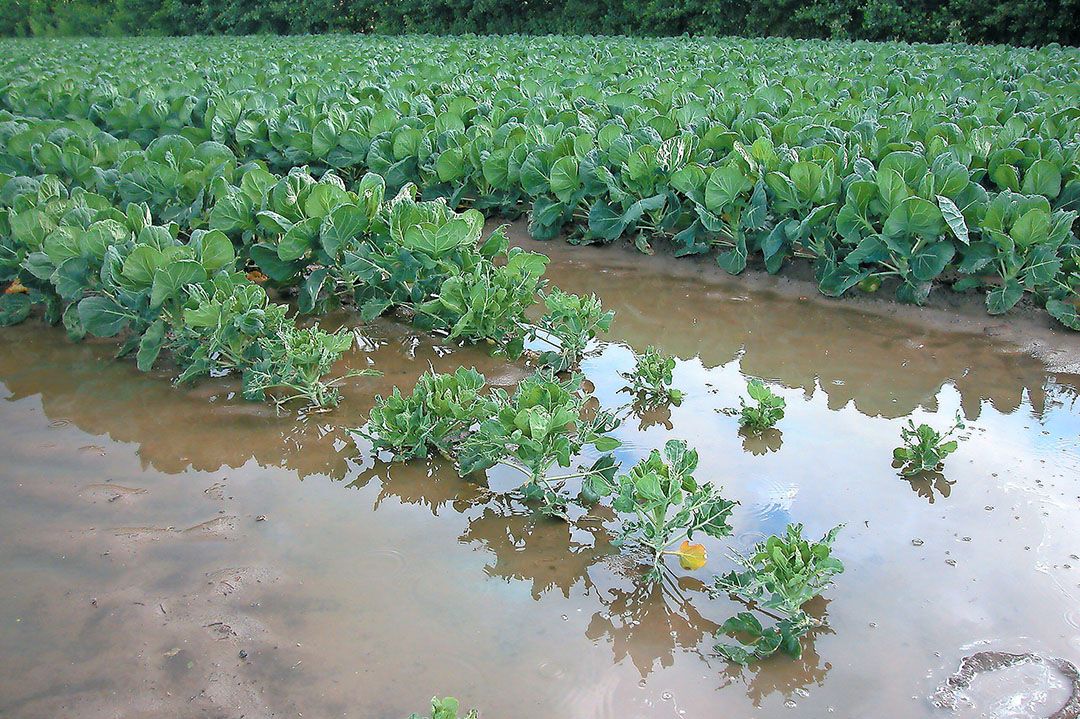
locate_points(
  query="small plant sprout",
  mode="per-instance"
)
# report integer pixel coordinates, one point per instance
(667, 506)
(447, 708)
(435, 416)
(767, 412)
(650, 382)
(543, 424)
(925, 449)
(572, 321)
(779, 577)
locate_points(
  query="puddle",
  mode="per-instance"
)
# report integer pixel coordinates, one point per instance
(180, 552)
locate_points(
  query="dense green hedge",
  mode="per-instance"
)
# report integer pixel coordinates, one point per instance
(1020, 22)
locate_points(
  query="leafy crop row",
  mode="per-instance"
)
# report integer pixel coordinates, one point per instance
(108, 273)
(918, 165)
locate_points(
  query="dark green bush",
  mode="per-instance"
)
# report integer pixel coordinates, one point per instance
(1018, 22)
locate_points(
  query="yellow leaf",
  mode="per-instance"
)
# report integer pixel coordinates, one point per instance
(691, 556)
(16, 288)
(257, 277)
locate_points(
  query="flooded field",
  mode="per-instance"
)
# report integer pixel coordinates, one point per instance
(180, 552)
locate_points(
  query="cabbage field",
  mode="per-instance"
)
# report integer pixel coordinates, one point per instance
(214, 208)
(929, 166)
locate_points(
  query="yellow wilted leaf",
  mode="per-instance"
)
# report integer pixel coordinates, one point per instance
(257, 277)
(16, 288)
(691, 556)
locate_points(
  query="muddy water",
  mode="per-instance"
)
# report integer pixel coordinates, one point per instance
(179, 552)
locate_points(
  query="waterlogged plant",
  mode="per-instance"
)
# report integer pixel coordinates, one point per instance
(651, 379)
(570, 323)
(487, 302)
(665, 506)
(435, 416)
(925, 449)
(430, 262)
(784, 635)
(768, 410)
(298, 360)
(232, 326)
(778, 578)
(111, 274)
(543, 424)
(447, 708)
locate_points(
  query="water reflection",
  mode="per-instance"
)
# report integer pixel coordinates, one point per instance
(81, 384)
(930, 485)
(880, 365)
(434, 484)
(518, 572)
(544, 553)
(657, 416)
(648, 622)
(763, 441)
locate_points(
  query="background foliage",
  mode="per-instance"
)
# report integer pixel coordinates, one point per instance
(1020, 22)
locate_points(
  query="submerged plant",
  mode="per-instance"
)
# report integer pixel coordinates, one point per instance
(544, 423)
(235, 327)
(297, 360)
(487, 302)
(667, 505)
(572, 321)
(650, 381)
(925, 449)
(434, 416)
(431, 263)
(779, 577)
(767, 412)
(447, 708)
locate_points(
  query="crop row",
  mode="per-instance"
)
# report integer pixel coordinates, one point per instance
(111, 272)
(923, 165)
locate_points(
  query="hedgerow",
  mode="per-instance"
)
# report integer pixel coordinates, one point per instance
(1023, 22)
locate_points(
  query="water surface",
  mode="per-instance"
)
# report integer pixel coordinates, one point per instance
(150, 534)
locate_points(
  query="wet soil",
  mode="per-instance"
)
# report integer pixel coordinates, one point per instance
(179, 552)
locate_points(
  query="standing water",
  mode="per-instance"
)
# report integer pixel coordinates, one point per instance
(180, 552)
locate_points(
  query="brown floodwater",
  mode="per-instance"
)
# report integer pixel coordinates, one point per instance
(179, 552)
